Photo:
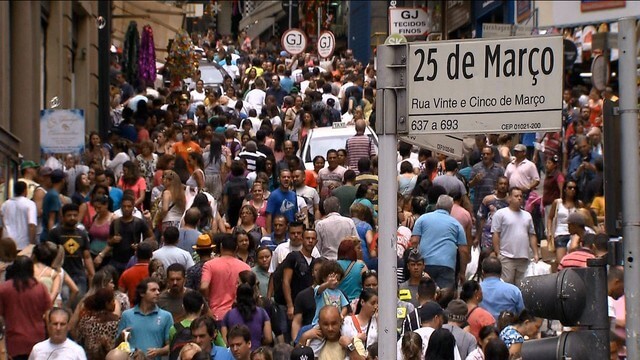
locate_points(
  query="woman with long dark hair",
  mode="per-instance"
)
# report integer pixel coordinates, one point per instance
(99, 229)
(279, 137)
(210, 222)
(364, 324)
(442, 346)
(43, 256)
(81, 196)
(94, 148)
(131, 180)
(216, 161)
(558, 218)
(196, 179)
(250, 278)
(246, 312)
(24, 304)
(364, 196)
(366, 233)
(525, 324)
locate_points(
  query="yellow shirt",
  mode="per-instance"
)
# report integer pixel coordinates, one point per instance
(334, 351)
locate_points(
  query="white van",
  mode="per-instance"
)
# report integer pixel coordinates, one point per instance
(322, 139)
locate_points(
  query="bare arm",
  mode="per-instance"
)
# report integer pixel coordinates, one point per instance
(268, 223)
(286, 289)
(267, 337)
(296, 325)
(88, 264)
(496, 242)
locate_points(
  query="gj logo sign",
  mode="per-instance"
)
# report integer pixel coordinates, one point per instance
(294, 41)
(326, 44)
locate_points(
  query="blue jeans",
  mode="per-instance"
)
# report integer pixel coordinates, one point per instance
(445, 277)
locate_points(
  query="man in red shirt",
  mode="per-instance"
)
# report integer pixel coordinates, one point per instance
(592, 246)
(220, 277)
(132, 276)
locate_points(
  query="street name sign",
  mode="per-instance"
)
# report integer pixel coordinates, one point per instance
(484, 86)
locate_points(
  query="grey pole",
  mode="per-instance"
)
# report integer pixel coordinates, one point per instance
(387, 206)
(630, 186)
(290, 12)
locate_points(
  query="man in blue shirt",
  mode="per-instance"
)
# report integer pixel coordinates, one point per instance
(440, 237)
(149, 325)
(51, 204)
(497, 295)
(203, 331)
(282, 200)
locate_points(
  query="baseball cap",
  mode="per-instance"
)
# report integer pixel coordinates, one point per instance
(302, 353)
(414, 256)
(429, 310)
(28, 164)
(45, 171)
(457, 310)
(577, 219)
(520, 147)
(57, 176)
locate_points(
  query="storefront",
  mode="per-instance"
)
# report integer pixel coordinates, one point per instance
(9, 163)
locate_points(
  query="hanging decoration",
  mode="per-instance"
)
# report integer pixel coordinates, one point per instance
(130, 53)
(182, 61)
(147, 56)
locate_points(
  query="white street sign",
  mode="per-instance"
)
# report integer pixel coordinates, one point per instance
(481, 86)
(445, 144)
(409, 21)
(326, 44)
(294, 41)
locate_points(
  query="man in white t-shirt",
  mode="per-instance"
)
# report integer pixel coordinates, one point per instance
(170, 253)
(255, 98)
(294, 243)
(20, 217)
(513, 233)
(57, 346)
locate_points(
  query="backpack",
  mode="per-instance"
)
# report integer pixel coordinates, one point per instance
(182, 338)
(300, 267)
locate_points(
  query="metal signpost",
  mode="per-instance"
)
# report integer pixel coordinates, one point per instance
(630, 186)
(454, 88)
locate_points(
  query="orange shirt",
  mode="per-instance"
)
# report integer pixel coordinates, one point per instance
(131, 278)
(181, 149)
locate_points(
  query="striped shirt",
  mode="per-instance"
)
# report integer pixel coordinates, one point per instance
(250, 158)
(359, 146)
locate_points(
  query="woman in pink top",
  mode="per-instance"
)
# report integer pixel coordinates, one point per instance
(131, 180)
(259, 203)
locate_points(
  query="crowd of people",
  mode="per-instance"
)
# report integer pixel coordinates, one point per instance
(194, 230)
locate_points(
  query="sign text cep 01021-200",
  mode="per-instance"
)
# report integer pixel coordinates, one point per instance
(506, 85)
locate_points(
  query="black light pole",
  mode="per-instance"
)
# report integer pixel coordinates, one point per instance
(104, 57)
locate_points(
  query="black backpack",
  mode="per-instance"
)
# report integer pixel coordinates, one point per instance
(182, 338)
